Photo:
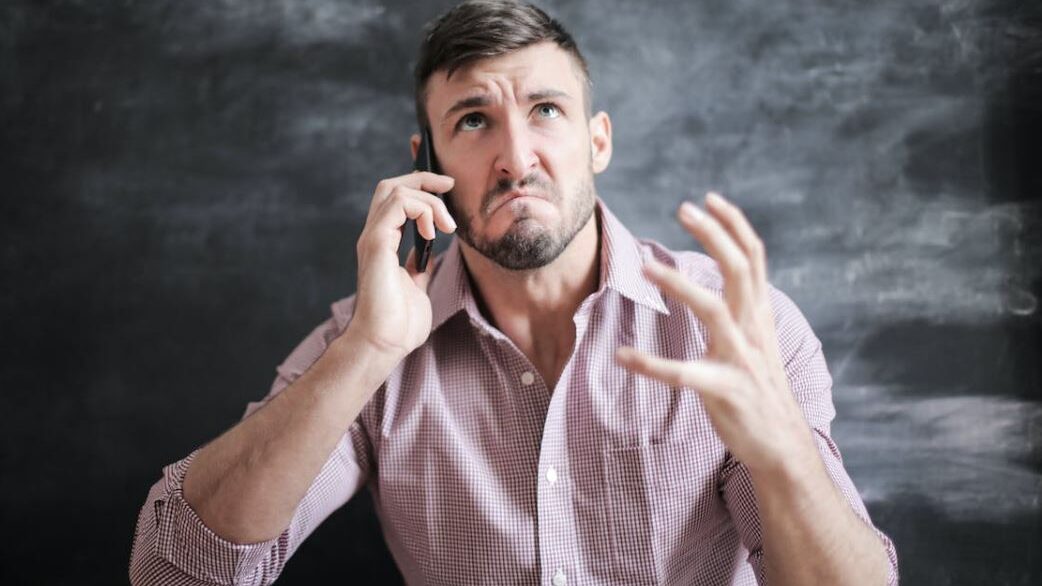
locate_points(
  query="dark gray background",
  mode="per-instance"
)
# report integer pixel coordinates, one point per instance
(183, 184)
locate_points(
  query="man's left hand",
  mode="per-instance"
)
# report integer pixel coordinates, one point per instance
(741, 381)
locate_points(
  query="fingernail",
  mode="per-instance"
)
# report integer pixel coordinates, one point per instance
(691, 211)
(715, 197)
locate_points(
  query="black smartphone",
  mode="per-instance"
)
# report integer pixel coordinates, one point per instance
(425, 161)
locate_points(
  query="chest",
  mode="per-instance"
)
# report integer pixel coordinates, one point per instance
(478, 454)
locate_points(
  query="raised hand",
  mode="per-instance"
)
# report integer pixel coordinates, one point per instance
(741, 381)
(392, 310)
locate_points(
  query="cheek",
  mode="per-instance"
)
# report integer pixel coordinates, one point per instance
(469, 186)
(566, 162)
(465, 198)
(569, 149)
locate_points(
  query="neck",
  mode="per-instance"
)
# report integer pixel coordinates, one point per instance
(535, 308)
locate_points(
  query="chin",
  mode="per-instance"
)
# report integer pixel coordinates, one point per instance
(523, 225)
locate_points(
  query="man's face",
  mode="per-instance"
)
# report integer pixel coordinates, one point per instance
(514, 134)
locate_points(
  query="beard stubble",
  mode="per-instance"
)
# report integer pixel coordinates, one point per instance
(527, 245)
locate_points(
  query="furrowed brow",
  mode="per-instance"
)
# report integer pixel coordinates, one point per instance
(479, 101)
(547, 94)
(467, 103)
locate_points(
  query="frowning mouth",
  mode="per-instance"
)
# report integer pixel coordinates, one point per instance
(509, 197)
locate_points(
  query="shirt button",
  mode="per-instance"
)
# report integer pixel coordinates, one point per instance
(551, 475)
(559, 578)
(527, 378)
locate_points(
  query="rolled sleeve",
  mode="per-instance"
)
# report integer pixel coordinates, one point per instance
(811, 384)
(833, 460)
(189, 545)
(172, 545)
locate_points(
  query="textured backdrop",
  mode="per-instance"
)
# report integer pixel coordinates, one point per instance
(183, 183)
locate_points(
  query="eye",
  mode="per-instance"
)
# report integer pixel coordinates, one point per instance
(471, 122)
(548, 110)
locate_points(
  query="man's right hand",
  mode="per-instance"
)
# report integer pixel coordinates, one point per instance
(392, 309)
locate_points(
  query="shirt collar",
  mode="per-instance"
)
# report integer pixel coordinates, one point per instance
(621, 260)
(449, 289)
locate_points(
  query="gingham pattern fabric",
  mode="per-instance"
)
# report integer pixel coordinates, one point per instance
(481, 474)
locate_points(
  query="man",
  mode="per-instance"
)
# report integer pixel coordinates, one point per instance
(554, 401)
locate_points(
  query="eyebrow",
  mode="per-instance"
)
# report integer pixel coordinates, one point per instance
(484, 100)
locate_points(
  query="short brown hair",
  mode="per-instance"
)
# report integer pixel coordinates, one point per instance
(479, 29)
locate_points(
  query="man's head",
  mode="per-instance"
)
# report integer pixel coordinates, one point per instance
(480, 29)
(506, 94)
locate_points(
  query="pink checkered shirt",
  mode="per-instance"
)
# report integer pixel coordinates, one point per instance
(481, 474)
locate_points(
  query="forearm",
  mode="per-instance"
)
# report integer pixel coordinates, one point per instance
(810, 533)
(246, 485)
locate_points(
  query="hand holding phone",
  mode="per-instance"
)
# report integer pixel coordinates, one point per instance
(392, 311)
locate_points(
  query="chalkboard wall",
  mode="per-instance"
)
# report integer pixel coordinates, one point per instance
(183, 184)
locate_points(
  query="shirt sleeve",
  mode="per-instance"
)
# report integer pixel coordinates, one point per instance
(172, 546)
(811, 383)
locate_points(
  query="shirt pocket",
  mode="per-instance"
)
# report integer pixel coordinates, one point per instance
(662, 502)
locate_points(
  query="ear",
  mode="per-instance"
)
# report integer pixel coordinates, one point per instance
(600, 141)
(414, 145)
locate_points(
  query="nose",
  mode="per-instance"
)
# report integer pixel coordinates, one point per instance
(517, 157)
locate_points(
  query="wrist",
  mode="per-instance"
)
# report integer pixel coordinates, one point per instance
(346, 376)
(378, 361)
(795, 470)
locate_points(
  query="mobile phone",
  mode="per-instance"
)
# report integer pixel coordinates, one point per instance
(425, 161)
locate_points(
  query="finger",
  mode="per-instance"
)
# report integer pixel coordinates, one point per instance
(737, 225)
(429, 182)
(734, 265)
(419, 180)
(713, 379)
(724, 336)
(439, 214)
(383, 229)
(442, 218)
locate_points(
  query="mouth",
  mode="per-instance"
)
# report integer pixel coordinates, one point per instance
(509, 197)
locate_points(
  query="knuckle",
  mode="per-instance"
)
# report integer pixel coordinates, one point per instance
(740, 265)
(682, 378)
(398, 194)
(715, 309)
(732, 403)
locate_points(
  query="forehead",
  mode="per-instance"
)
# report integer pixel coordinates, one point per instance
(537, 67)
